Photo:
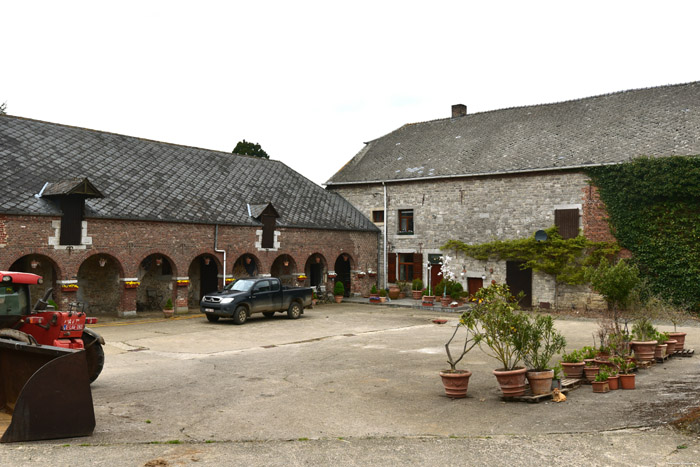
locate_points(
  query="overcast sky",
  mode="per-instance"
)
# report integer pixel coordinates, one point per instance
(312, 81)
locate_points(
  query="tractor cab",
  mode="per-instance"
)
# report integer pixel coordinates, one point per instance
(14, 296)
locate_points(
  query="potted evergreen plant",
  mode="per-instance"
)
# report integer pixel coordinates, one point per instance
(417, 289)
(428, 297)
(338, 292)
(543, 342)
(168, 309)
(374, 294)
(572, 364)
(600, 383)
(382, 295)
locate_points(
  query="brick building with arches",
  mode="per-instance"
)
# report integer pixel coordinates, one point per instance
(122, 224)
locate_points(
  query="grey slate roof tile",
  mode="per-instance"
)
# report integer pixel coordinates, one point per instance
(150, 180)
(612, 128)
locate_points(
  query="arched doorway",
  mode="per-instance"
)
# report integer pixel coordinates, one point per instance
(283, 268)
(204, 278)
(98, 282)
(247, 265)
(156, 276)
(343, 266)
(315, 269)
(42, 266)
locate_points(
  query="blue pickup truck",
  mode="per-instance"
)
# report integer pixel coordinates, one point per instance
(244, 297)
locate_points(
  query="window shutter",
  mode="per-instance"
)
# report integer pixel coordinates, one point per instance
(566, 221)
(268, 236)
(417, 266)
(72, 220)
(391, 267)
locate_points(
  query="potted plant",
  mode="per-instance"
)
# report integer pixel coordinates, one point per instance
(556, 380)
(374, 294)
(677, 316)
(626, 376)
(382, 295)
(314, 298)
(543, 342)
(501, 331)
(661, 346)
(168, 309)
(394, 291)
(644, 343)
(403, 288)
(572, 363)
(590, 371)
(613, 380)
(456, 381)
(338, 292)
(428, 297)
(417, 289)
(600, 383)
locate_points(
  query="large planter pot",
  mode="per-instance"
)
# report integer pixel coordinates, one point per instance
(660, 350)
(627, 381)
(591, 372)
(540, 381)
(374, 298)
(679, 338)
(394, 292)
(445, 301)
(416, 294)
(614, 382)
(644, 350)
(573, 370)
(600, 386)
(512, 382)
(455, 382)
(428, 300)
(168, 313)
(670, 346)
(338, 298)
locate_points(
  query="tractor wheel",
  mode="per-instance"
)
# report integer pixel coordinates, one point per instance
(240, 315)
(212, 318)
(18, 336)
(294, 310)
(268, 314)
(95, 355)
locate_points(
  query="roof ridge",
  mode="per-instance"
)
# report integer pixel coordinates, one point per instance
(139, 138)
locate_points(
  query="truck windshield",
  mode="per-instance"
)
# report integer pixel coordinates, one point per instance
(14, 299)
(240, 285)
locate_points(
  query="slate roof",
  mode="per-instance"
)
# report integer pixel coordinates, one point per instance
(607, 129)
(149, 180)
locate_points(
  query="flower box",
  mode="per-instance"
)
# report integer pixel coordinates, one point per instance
(69, 288)
(131, 284)
(183, 282)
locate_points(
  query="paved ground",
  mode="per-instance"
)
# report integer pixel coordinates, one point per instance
(351, 384)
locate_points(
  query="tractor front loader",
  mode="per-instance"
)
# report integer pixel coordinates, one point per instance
(45, 369)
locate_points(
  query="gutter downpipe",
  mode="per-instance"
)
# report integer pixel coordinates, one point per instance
(216, 249)
(386, 221)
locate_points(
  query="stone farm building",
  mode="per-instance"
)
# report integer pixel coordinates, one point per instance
(133, 222)
(506, 174)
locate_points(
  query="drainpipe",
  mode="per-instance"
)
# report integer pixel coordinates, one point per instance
(386, 222)
(216, 248)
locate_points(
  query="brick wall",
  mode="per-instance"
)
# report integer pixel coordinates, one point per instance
(124, 245)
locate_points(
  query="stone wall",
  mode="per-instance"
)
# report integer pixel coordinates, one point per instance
(482, 209)
(114, 251)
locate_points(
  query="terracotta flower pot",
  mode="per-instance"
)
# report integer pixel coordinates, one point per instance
(540, 381)
(614, 382)
(512, 382)
(456, 383)
(600, 386)
(445, 301)
(680, 339)
(338, 298)
(660, 350)
(644, 350)
(671, 346)
(627, 381)
(573, 370)
(416, 294)
(394, 292)
(591, 372)
(168, 313)
(428, 300)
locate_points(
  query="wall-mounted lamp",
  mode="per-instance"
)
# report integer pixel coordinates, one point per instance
(102, 262)
(159, 261)
(34, 264)
(207, 260)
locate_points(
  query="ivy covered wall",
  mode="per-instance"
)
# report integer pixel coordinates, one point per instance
(654, 211)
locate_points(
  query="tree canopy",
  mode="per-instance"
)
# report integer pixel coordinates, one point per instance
(250, 149)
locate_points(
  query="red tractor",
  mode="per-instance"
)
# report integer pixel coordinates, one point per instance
(46, 357)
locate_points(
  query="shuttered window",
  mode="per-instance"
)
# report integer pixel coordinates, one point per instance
(268, 235)
(391, 267)
(567, 221)
(72, 220)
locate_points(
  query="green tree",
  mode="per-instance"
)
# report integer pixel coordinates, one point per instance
(250, 149)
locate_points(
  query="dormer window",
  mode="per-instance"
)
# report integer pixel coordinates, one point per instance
(267, 215)
(70, 195)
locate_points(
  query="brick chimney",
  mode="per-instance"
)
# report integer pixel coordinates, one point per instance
(459, 110)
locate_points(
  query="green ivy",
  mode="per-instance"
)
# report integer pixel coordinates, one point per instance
(562, 258)
(654, 211)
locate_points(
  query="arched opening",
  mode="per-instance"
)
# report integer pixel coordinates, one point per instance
(204, 278)
(284, 268)
(98, 284)
(156, 276)
(315, 269)
(42, 266)
(247, 265)
(343, 266)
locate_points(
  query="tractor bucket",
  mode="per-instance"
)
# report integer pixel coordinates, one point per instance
(44, 393)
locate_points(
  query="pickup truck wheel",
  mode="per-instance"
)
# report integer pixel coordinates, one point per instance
(268, 314)
(294, 310)
(240, 315)
(212, 318)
